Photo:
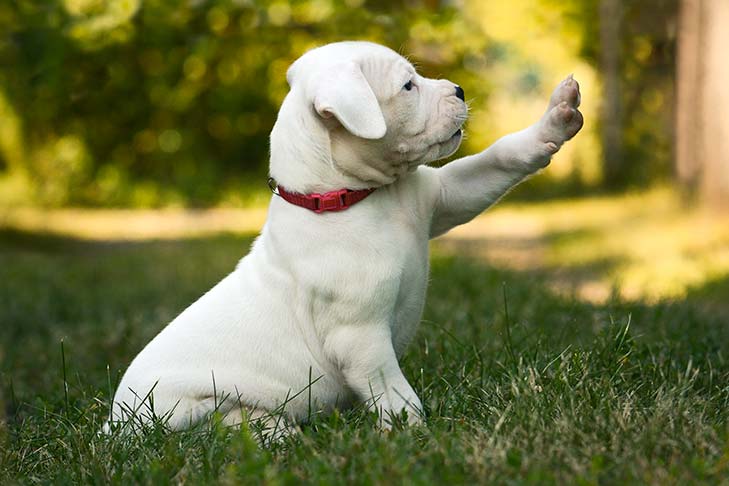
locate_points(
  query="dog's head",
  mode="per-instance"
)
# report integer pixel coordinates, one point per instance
(380, 119)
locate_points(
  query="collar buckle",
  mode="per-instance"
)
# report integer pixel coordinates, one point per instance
(331, 201)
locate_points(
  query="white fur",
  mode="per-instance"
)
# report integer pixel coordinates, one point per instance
(336, 297)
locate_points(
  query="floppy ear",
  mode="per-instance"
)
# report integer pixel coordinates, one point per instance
(346, 95)
(290, 73)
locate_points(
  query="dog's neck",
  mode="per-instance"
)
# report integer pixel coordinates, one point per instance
(301, 154)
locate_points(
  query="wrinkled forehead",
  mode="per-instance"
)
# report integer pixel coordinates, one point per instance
(385, 70)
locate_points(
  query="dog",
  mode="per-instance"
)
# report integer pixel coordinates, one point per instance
(317, 314)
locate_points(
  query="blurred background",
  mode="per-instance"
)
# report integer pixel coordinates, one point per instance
(167, 106)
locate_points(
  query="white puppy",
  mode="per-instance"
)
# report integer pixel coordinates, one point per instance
(317, 314)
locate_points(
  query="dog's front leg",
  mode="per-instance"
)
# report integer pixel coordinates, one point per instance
(367, 360)
(470, 185)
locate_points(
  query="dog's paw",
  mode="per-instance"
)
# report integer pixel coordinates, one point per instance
(562, 120)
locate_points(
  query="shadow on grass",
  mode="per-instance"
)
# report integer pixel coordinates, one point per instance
(25, 241)
(714, 297)
(532, 257)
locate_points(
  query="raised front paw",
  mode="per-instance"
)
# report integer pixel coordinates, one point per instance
(562, 120)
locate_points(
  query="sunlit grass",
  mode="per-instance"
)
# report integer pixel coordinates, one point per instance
(133, 224)
(658, 249)
(642, 246)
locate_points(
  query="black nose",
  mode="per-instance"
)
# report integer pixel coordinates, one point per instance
(459, 92)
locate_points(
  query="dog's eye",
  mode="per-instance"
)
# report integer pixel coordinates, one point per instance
(408, 86)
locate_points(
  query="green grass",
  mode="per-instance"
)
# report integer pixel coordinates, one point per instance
(561, 391)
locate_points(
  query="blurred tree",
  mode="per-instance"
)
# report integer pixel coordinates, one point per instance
(632, 44)
(702, 126)
(610, 15)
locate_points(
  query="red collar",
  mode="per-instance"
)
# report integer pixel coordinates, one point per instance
(328, 201)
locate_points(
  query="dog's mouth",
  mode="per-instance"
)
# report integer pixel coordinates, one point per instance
(457, 134)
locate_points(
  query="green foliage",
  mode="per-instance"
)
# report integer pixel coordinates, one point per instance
(172, 102)
(159, 103)
(556, 391)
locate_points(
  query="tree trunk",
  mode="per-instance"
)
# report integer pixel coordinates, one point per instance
(612, 127)
(702, 111)
(689, 102)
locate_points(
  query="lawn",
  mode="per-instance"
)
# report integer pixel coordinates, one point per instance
(522, 381)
